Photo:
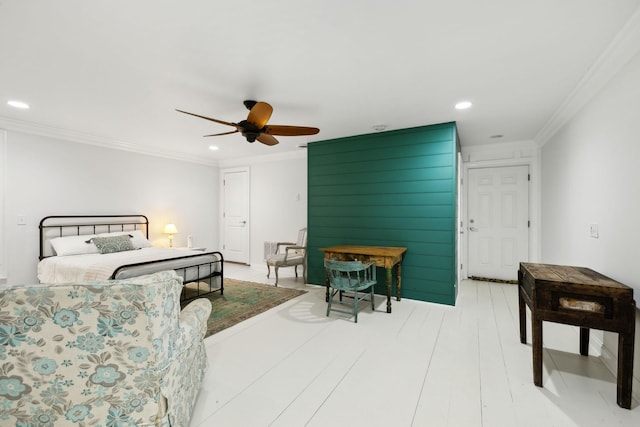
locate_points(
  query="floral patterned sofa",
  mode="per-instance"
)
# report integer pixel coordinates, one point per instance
(112, 353)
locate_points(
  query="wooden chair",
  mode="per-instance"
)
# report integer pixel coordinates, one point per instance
(350, 276)
(294, 254)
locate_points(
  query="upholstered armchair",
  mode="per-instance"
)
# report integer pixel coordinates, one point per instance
(111, 353)
(290, 254)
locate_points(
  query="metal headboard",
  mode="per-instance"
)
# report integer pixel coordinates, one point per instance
(80, 225)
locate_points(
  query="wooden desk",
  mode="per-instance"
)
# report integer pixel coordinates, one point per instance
(386, 257)
(580, 297)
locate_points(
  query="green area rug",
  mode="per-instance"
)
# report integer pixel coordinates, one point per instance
(242, 300)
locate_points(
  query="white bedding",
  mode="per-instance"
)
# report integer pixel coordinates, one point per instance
(89, 267)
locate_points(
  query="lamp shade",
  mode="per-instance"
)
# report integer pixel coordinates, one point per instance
(170, 229)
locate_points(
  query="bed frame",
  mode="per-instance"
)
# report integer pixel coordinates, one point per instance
(199, 279)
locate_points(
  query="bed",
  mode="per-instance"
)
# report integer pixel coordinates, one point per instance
(107, 247)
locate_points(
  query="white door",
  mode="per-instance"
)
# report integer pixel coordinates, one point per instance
(498, 221)
(235, 215)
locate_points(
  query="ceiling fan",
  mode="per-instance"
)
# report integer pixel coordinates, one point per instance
(255, 126)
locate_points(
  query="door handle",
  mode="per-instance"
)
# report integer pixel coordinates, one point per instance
(473, 229)
(243, 222)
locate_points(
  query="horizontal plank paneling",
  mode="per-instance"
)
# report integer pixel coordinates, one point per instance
(393, 188)
(383, 211)
(369, 176)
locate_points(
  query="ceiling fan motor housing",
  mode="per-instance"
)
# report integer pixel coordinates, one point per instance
(249, 130)
(251, 137)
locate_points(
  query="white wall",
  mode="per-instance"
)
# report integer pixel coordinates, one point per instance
(3, 181)
(278, 200)
(46, 176)
(590, 175)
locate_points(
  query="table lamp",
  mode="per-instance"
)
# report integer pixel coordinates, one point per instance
(170, 229)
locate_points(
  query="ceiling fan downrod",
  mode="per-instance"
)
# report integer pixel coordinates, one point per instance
(249, 104)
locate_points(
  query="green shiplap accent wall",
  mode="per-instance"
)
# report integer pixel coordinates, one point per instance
(395, 188)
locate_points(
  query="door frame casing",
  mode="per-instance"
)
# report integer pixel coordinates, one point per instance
(221, 222)
(495, 156)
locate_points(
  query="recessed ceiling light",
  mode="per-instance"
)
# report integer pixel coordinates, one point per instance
(379, 128)
(18, 104)
(463, 105)
(496, 136)
(213, 147)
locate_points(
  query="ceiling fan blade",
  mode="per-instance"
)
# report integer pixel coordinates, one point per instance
(267, 139)
(211, 119)
(260, 114)
(224, 133)
(290, 130)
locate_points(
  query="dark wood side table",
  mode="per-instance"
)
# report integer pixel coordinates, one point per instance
(580, 297)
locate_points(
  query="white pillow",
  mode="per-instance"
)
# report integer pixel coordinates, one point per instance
(73, 245)
(138, 239)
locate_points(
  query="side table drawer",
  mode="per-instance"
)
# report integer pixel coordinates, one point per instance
(578, 303)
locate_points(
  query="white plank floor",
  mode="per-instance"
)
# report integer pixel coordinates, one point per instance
(422, 365)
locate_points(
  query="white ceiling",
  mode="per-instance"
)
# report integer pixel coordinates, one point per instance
(113, 72)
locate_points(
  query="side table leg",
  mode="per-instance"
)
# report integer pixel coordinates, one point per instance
(584, 341)
(522, 311)
(625, 368)
(536, 339)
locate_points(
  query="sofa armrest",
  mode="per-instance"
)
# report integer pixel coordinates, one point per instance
(192, 326)
(183, 375)
(193, 320)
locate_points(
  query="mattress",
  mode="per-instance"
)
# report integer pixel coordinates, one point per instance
(90, 267)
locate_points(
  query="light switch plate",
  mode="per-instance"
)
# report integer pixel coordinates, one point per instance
(593, 228)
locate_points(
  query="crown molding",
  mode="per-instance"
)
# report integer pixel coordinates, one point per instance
(617, 54)
(265, 158)
(85, 138)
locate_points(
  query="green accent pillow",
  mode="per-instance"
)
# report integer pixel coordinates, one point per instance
(108, 245)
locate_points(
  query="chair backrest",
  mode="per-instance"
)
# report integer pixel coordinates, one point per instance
(302, 241)
(347, 275)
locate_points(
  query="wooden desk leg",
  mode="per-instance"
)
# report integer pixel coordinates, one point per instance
(399, 281)
(389, 278)
(625, 368)
(522, 311)
(326, 283)
(536, 339)
(584, 341)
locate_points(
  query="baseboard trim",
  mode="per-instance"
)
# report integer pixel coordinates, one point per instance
(488, 279)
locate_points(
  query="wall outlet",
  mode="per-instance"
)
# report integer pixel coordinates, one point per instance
(21, 220)
(593, 229)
